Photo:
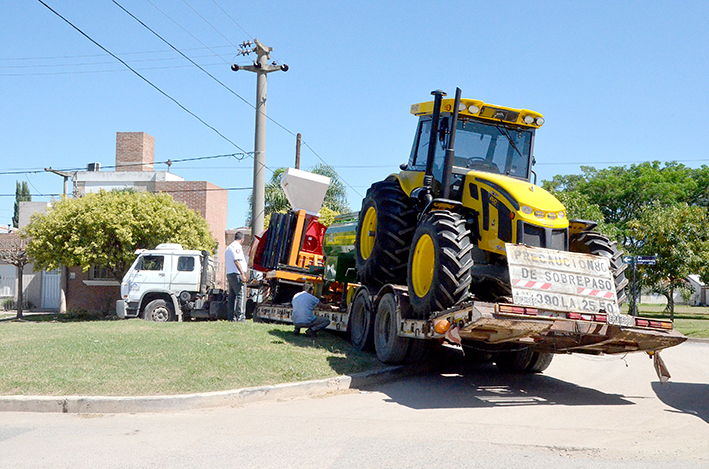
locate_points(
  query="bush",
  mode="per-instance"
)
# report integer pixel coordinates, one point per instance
(10, 304)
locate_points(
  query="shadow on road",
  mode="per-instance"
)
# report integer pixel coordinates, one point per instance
(451, 382)
(687, 398)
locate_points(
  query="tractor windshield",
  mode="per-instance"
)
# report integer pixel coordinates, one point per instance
(493, 148)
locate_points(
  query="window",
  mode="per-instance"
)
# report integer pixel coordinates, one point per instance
(97, 272)
(185, 264)
(150, 263)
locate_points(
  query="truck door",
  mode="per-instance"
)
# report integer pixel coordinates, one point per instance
(185, 274)
(149, 273)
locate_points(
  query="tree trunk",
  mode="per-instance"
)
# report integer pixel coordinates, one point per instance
(19, 291)
(671, 303)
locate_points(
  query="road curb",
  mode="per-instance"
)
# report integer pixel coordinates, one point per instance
(136, 404)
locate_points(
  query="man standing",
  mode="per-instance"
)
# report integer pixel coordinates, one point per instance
(236, 270)
(303, 304)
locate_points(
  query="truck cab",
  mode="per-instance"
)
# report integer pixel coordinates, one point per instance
(166, 283)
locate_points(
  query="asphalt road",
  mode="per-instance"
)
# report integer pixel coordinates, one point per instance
(583, 412)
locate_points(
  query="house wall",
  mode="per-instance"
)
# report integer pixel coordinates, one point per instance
(81, 295)
(210, 201)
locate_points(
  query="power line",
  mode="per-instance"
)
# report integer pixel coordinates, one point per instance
(233, 20)
(142, 77)
(61, 57)
(210, 24)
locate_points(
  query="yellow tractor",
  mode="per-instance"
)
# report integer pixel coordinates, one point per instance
(440, 225)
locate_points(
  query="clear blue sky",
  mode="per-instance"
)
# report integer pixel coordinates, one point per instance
(618, 83)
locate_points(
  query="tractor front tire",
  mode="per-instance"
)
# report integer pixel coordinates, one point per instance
(592, 242)
(440, 261)
(386, 225)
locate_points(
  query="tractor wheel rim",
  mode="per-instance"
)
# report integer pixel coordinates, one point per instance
(422, 265)
(368, 233)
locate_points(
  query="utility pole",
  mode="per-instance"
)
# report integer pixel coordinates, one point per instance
(65, 174)
(63, 283)
(261, 67)
(297, 151)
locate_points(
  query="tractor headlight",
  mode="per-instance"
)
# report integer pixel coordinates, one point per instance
(539, 214)
(526, 210)
(551, 216)
(561, 215)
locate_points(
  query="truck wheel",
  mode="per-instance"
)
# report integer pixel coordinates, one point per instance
(386, 225)
(515, 362)
(159, 311)
(389, 346)
(592, 242)
(540, 362)
(439, 263)
(361, 321)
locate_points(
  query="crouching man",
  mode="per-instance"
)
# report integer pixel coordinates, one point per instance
(303, 317)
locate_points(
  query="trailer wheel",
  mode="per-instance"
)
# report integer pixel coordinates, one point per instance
(440, 262)
(515, 362)
(389, 346)
(386, 225)
(361, 321)
(540, 362)
(592, 242)
(159, 311)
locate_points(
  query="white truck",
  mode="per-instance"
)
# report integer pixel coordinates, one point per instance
(169, 283)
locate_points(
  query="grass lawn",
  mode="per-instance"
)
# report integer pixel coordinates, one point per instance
(692, 321)
(136, 357)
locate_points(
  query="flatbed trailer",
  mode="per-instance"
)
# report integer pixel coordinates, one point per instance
(479, 325)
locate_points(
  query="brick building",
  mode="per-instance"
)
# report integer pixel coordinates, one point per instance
(135, 168)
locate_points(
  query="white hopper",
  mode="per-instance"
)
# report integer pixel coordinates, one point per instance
(304, 190)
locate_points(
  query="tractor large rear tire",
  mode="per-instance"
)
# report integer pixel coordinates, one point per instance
(386, 225)
(592, 242)
(439, 263)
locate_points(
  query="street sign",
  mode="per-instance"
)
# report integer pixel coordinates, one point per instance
(646, 260)
(627, 259)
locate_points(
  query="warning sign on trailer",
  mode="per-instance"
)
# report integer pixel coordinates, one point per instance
(561, 281)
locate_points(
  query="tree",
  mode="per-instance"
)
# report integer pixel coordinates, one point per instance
(22, 194)
(275, 199)
(106, 228)
(622, 192)
(13, 252)
(677, 235)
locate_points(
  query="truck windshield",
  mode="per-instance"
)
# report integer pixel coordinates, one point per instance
(493, 148)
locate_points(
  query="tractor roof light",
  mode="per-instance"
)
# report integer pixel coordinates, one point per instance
(473, 109)
(529, 120)
(540, 121)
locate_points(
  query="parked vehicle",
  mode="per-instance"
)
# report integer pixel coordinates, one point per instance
(169, 283)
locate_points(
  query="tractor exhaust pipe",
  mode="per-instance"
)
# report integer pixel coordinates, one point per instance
(433, 138)
(450, 149)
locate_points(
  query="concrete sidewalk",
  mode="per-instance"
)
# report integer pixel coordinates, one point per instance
(133, 404)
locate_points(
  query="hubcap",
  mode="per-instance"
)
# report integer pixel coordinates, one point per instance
(422, 266)
(367, 233)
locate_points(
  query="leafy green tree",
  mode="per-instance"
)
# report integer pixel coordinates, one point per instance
(677, 235)
(275, 199)
(106, 228)
(621, 192)
(22, 194)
